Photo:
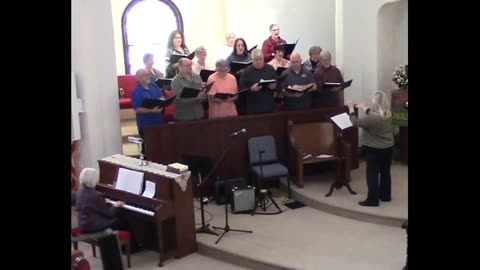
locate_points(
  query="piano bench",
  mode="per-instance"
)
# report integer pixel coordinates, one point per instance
(123, 238)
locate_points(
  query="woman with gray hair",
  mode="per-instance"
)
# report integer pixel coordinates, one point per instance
(377, 138)
(93, 213)
(225, 83)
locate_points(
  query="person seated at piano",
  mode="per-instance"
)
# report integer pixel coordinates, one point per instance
(94, 214)
(259, 99)
(144, 89)
(327, 96)
(201, 55)
(154, 73)
(299, 78)
(312, 62)
(278, 60)
(187, 108)
(224, 83)
(175, 45)
(267, 46)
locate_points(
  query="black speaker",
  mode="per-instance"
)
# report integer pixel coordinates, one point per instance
(223, 189)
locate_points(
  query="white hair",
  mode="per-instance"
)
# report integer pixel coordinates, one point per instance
(89, 177)
(257, 53)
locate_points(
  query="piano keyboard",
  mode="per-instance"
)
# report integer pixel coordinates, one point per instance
(133, 208)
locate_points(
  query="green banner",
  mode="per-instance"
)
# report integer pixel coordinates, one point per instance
(400, 116)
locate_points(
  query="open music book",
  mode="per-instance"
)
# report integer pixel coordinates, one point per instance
(263, 82)
(292, 90)
(342, 85)
(129, 180)
(236, 66)
(253, 48)
(289, 47)
(175, 57)
(342, 120)
(163, 82)
(205, 73)
(151, 103)
(228, 95)
(189, 92)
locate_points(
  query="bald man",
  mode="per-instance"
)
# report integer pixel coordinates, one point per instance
(187, 108)
(299, 78)
(144, 89)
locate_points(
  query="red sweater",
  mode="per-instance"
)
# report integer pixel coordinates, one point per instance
(267, 48)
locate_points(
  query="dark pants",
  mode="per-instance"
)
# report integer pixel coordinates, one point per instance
(140, 132)
(379, 181)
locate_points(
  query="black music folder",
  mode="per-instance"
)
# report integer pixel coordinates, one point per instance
(163, 82)
(151, 103)
(292, 90)
(280, 70)
(205, 73)
(342, 85)
(289, 47)
(253, 48)
(175, 57)
(281, 78)
(263, 82)
(228, 95)
(236, 66)
(189, 92)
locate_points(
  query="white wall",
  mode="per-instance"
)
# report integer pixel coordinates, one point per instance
(359, 54)
(392, 42)
(93, 62)
(203, 20)
(400, 34)
(313, 21)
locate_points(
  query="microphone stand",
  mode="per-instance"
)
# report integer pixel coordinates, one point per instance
(227, 228)
(205, 227)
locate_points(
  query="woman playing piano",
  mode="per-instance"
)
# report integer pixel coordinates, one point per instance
(93, 212)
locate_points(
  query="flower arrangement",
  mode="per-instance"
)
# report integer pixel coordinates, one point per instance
(400, 77)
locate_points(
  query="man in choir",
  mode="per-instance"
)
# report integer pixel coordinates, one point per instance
(94, 214)
(144, 89)
(259, 99)
(187, 108)
(300, 78)
(313, 61)
(201, 55)
(224, 83)
(327, 96)
(267, 46)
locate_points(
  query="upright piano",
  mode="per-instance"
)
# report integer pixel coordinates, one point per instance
(164, 223)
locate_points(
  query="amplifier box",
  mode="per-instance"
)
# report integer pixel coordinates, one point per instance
(243, 199)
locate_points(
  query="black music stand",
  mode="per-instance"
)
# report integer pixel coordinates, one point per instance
(337, 184)
(200, 164)
(227, 228)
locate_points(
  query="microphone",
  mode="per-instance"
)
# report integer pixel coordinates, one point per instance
(238, 132)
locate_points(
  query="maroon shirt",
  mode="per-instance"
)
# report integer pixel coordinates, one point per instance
(323, 97)
(267, 48)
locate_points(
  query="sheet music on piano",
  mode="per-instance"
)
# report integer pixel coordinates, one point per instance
(149, 189)
(130, 181)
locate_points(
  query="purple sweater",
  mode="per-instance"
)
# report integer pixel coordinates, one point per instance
(93, 213)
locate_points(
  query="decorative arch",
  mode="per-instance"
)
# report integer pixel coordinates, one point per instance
(165, 16)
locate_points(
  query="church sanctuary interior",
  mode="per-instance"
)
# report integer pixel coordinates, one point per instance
(219, 214)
